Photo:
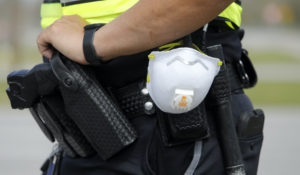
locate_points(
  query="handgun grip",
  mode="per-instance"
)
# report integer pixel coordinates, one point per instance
(26, 86)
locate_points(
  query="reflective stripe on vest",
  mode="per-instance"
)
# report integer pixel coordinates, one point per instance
(104, 11)
(234, 14)
(50, 12)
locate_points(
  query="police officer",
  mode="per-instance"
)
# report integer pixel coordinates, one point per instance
(132, 29)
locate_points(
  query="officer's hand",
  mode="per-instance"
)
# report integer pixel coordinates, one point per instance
(66, 36)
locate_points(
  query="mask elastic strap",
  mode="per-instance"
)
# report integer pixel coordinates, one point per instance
(203, 44)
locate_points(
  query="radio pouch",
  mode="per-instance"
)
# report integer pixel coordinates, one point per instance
(91, 108)
(178, 129)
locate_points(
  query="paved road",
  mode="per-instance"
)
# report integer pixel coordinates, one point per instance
(23, 147)
(281, 149)
(270, 38)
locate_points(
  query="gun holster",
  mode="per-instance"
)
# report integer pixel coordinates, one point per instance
(73, 108)
(91, 108)
(51, 117)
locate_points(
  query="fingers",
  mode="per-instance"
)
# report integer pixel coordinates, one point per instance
(44, 44)
(65, 35)
(45, 39)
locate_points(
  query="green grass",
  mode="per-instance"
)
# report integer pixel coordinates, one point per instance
(274, 93)
(3, 96)
(27, 55)
(273, 56)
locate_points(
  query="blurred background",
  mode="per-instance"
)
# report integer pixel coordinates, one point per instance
(272, 39)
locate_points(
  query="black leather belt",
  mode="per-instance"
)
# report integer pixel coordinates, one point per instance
(134, 100)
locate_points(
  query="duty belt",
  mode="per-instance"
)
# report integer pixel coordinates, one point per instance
(135, 101)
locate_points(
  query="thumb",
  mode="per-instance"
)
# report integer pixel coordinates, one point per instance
(48, 53)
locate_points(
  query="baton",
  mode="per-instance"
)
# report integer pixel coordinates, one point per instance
(220, 98)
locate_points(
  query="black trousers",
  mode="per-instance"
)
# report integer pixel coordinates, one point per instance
(148, 155)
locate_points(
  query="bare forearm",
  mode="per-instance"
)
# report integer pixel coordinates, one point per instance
(151, 23)
(148, 24)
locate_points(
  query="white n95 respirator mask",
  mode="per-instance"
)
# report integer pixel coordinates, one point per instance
(178, 80)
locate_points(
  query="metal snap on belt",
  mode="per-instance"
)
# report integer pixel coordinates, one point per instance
(145, 91)
(149, 108)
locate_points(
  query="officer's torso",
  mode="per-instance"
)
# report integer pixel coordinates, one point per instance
(127, 69)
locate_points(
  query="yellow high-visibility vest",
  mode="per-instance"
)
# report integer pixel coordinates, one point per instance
(104, 11)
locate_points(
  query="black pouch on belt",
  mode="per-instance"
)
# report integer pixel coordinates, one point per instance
(250, 133)
(178, 129)
(91, 108)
